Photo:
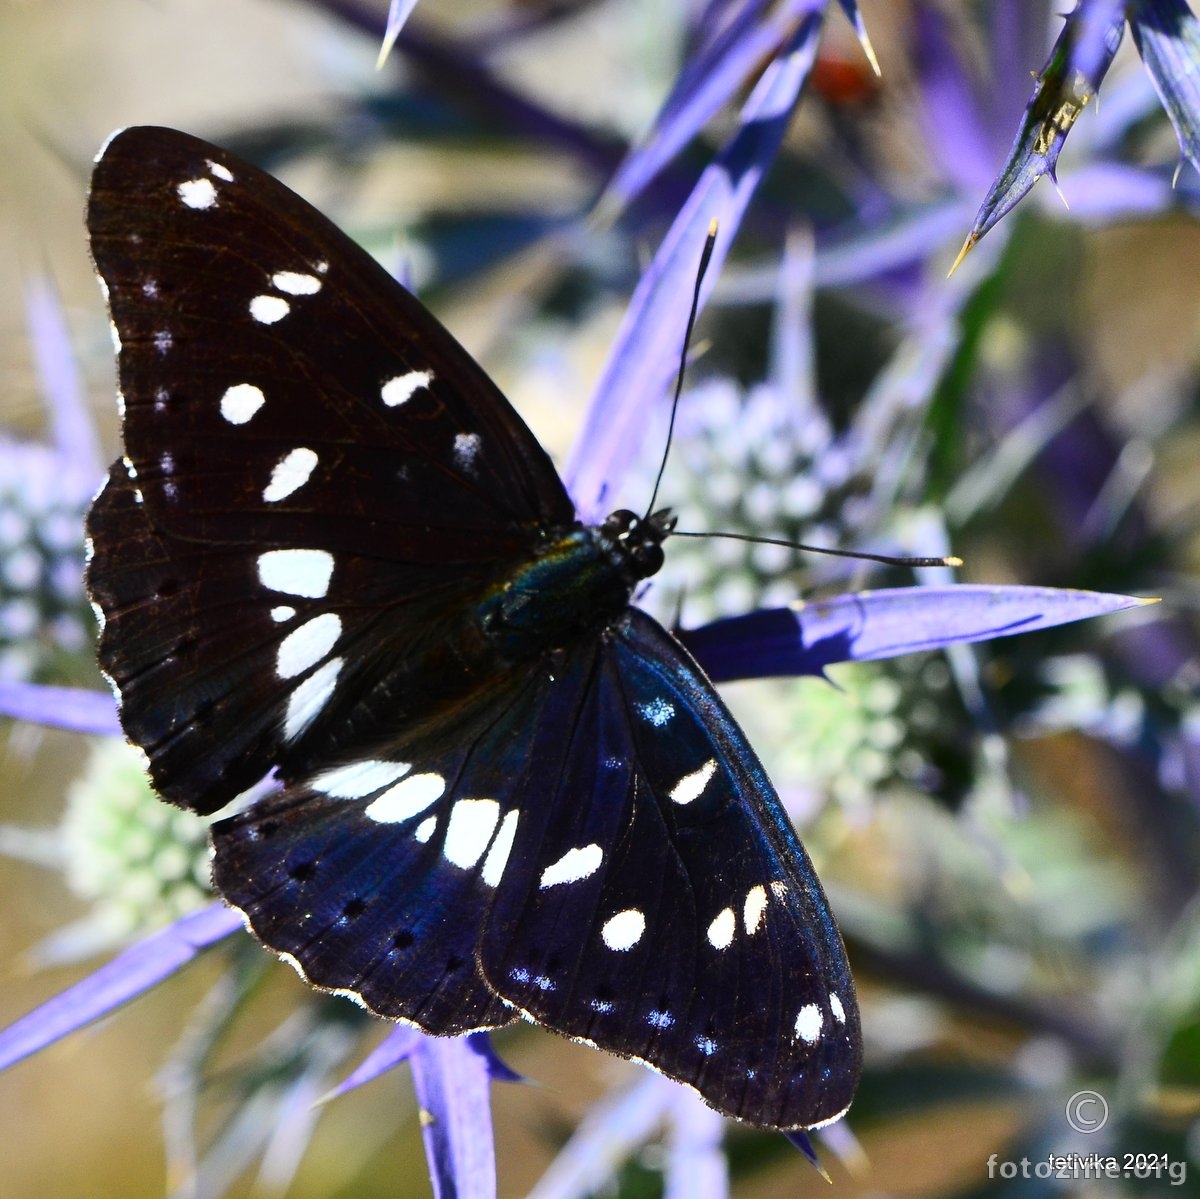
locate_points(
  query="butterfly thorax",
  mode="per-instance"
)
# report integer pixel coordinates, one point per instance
(577, 584)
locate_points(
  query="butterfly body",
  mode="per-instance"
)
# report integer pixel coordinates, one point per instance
(333, 551)
(575, 587)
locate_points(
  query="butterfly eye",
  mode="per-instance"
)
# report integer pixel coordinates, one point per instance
(620, 522)
(647, 557)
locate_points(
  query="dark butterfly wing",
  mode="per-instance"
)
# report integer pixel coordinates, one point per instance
(310, 456)
(597, 847)
(673, 915)
(375, 876)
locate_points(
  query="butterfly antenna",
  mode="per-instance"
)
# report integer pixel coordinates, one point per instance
(885, 559)
(705, 258)
(860, 555)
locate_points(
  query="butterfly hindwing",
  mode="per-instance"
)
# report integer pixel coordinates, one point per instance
(307, 452)
(674, 916)
(369, 909)
(377, 874)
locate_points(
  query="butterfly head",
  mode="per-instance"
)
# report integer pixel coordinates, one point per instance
(639, 538)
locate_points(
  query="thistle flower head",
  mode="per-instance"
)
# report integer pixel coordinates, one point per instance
(45, 625)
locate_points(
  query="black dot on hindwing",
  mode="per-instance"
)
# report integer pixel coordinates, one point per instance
(403, 939)
(302, 872)
(603, 1000)
(354, 907)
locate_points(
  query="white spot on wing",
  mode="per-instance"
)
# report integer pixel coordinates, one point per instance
(306, 702)
(269, 309)
(497, 858)
(220, 171)
(754, 909)
(240, 402)
(472, 822)
(282, 612)
(466, 450)
(721, 930)
(408, 798)
(289, 474)
(163, 341)
(691, 786)
(198, 193)
(658, 1019)
(296, 284)
(305, 646)
(657, 712)
(624, 930)
(808, 1024)
(425, 829)
(574, 865)
(359, 779)
(402, 388)
(706, 1045)
(835, 1006)
(296, 572)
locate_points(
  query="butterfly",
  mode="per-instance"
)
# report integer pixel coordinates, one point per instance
(333, 551)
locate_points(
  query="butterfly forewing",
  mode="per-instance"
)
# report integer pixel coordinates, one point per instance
(332, 549)
(308, 451)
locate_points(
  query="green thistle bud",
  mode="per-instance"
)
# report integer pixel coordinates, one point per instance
(140, 862)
